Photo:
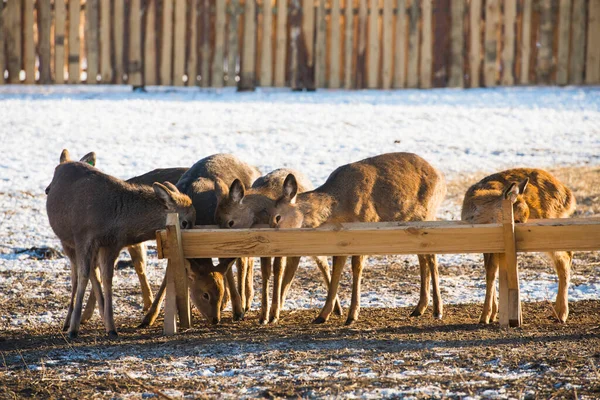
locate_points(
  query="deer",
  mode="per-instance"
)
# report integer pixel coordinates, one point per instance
(239, 208)
(94, 216)
(534, 193)
(208, 283)
(387, 187)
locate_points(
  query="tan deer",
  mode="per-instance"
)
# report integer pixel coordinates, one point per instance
(241, 209)
(95, 215)
(535, 193)
(388, 187)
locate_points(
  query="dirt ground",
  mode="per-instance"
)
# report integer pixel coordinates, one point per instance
(385, 354)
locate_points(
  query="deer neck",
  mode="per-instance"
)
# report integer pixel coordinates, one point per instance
(316, 207)
(142, 215)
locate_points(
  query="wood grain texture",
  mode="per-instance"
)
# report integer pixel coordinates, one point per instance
(361, 45)
(134, 68)
(387, 44)
(544, 59)
(592, 59)
(564, 30)
(577, 62)
(320, 45)
(348, 44)
(509, 261)
(526, 41)
(266, 53)
(475, 43)
(248, 72)
(150, 60)
(217, 73)
(232, 42)
(373, 49)
(105, 41)
(44, 32)
(73, 60)
(426, 45)
(334, 50)
(412, 77)
(281, 43)
(28, 42)
(457, 13)
(400, 46)
(92, 36)
(179, 42)
(166, 53)
(490, 62)
(60, 16)
(508, 50)
(119, 39)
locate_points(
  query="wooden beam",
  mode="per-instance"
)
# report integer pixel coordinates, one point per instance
(266, 52)
(592, 59)
(281, 43)
(92, 40)
(576, 234)
(74, 73)
(166, 54)
(105, 64)
(508, 51)
(412, 76)
(134, 69)
(44, 29)
(217, 75)
(388, 42)
(320, 45)
(248, 73)
(28, 43)
(373, 53)
(334, 51)
(526, 42)
(457, 14)
(119, 39)
(577, 62)
(150, 61)
(544, 61)
(510, 300)
(179, 42)
(490, 62)
(400, 47)
(475, 43)
(59, 41)
(232, 42)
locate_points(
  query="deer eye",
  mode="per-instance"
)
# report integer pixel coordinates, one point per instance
(231, 223)
(206, 296)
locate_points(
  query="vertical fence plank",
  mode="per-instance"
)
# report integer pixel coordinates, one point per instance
(320, 45)
(12, 20)
(334, 51)
(592, 60)
(490, 64)
(373, 53)
(105, 64)
(28, 43)
(526, 42)
(266, 53)
(281, 43)
(508, 52)
(119, 38)
(544, 60)
(577, 43)
(412, 77)
(192, 59)
(205, 43)
(388, 39)
(166, 54)
(134, 69)
(564, 28)
(2, 58)
(457, 12)
(249, 47)
(442, 32)
(179, 43)
(348, 43)
(475, 43)
(59, 41)
(400, 47)
(232, 42)
(307, 71)
(150, 77)
(219, 49)
(362, 44)
(426, 47)
(296, 37)
(74, 9)
(91, 40)
(44, 27)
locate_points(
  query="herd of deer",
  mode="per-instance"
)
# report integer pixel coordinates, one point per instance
(96, 215)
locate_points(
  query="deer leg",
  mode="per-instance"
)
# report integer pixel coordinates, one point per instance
(490, 262)
(152, 313)
(336, 274)
(139, 258)
(424, 294)
(95, 293)
(108, 257)
(236, 300)
(86, 257)
(70, 252)
(265, 269)
(241, 289)
(438, 306)
(249, 284)
(562, 264)
(226, 295)
(357, 267)
(323, 266)
(291, 267)
(278, 271)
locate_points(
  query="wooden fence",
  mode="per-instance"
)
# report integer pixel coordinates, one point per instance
(383, 238)
(301, 43)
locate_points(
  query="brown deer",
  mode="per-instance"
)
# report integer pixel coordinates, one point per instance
(207, 282)
(388, 187)
(95, 215)
(241, 209)
(534, 193)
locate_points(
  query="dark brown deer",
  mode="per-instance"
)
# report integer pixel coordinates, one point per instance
(389, 187)
(241, 209)
(95, 215)
(534, 193)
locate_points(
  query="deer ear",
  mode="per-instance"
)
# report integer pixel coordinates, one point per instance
(237, 191)
(164, 194)
(224, 265)
(171, 187)
(221, 189)
(512, 192)
(64, 156)
(523, 185)
(89, 158)
(290, 188)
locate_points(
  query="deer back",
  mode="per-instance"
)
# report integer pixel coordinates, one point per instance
(159, 175)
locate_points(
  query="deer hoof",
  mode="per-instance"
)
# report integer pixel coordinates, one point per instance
(238, 316)
(319, 320)
(73, 334)
(113, 335)
(416, 313)
(350, 321)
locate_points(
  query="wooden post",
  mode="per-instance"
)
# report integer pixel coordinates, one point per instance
(150, 76)
(412, 76)
(373, 54)
(119, 37)
(348, 43)
(526, 42)
(91, 40)
(577, 43)
(564, 29)
(179, 43)
(166, 54)
(457, 13)
(248, 72)
(44, 25)
(232, 42)
(281, 43)
(510, 301)
(134, 69)
(177, 297)
(105, 64)
(266, 53)
(490, 63)
(592, 60)
(388, 30)
(74, 9)
(218, 54)
(362, 44)
(334, 52)
(320, 45)
(400, 48)
(544, 61)
(28, 44)
(475, 43)
(426, 46)
(508, 52)
(2, 59)
(59, 41)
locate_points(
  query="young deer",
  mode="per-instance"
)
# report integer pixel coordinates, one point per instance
(535, 193)
(388, 187)
(206, 281)
(95, 215)
(241, 209)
